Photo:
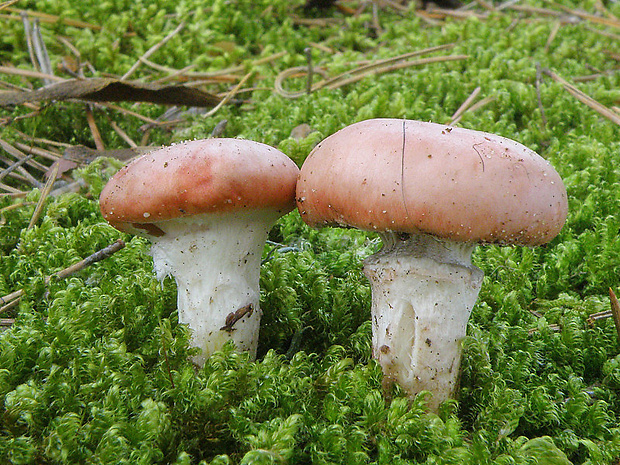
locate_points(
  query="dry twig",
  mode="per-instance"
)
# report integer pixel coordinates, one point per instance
(94, 129)
(543, 117)
(613, 22)
(614, 312)
(11, 191)
(7, 4)
(464, 106)
(44, 194)
(152, 50)
(19, 155)
(29, 73)
(4, 173)
(615, 309)
(48, 18)
(349, 77)
(29, 149)
(12, 299)
(584, 98)
(230, 95)
(552, 34)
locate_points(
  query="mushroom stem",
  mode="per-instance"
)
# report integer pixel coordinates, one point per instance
(215, 260)
(423, 291)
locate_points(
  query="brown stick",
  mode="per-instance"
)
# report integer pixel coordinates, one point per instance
(613, 22)
(464, 106)
(423, 61)
(15, 206)
(14, 166)
(32, 150)
(380, 66)
(11, 191)
(10, 300)
(19, 155)
(48, 18)
(479, 104)
(152, 50)
(535, 10)
(28, 73)
(7, 4)
(552, 34)
(15, 150)
(94, 129)
(230, 95)
(615, 310)
(45, 192)
(39, 140)
(123, 135)
(543, 117)
(584, 98)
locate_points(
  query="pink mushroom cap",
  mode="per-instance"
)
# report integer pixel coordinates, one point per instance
(417, 177)
(195, 177)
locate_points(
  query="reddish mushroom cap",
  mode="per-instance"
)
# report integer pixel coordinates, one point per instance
(201, 176)
(416, 177)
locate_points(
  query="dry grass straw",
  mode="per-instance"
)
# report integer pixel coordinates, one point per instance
(464, 106)
(11, 300)
(29, 73)
(584, 98)
(469, 106)
(357, 74)
(20, 156)
(610, 20)
(44, 17)
(45, 192)
(230, 95)
(614, 312)
(152, 50)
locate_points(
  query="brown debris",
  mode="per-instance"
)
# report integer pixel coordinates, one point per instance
(584, 98)
(113, 90)
(615, 310)
(11, 300)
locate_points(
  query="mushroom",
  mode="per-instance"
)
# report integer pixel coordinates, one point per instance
(207, 207)
(432, 192)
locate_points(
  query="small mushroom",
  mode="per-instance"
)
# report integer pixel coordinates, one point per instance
(207, 207)
(432, 192)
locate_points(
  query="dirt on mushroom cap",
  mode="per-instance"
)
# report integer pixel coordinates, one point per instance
(417, 177)
(212, 175)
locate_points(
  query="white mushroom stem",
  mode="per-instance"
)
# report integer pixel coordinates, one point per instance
(215, 260)
(423, 291)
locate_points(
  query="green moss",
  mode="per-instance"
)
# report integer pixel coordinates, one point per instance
(95, 368)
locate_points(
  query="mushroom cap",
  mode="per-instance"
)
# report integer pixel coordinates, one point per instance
(196, 177)
(416, 177)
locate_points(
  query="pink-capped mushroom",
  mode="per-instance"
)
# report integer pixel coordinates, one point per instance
(207, 207)
(432, 192)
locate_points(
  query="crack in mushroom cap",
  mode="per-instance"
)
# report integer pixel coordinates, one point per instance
(454, 183)
(195, 177)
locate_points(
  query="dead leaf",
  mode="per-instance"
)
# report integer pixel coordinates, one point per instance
(302, 131)
(226, 46)
(60, 166)
(82, 154)
(113, 90)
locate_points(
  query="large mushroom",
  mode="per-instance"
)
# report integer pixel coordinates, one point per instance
(207, 207)
(432, 192)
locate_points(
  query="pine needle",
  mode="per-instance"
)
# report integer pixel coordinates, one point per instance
(584, 98)
(44, 194)
(12, 299)
(357, 74)
(464, 106)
